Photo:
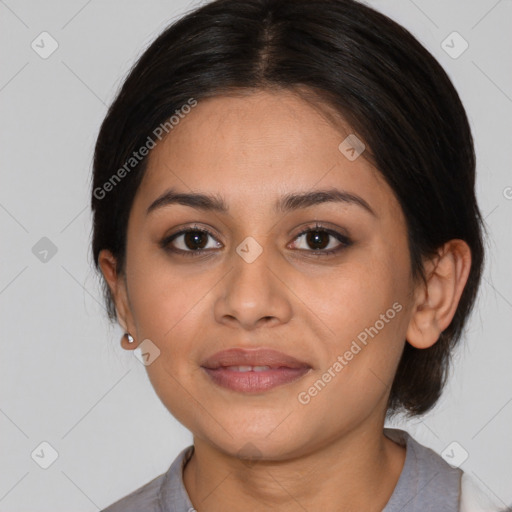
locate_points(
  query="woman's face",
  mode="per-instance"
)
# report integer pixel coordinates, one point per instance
(256, 282)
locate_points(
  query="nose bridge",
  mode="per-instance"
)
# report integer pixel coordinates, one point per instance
(251, 277)
(252, 289)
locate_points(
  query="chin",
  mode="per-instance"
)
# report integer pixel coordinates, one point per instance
(265, 443)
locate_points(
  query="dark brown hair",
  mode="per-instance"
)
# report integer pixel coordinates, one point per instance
(372, 71)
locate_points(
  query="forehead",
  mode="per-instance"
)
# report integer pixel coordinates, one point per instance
(255, 147)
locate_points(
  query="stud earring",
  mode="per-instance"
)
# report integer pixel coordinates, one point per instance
(129, 337)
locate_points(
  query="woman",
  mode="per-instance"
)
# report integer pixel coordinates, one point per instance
(286, 224)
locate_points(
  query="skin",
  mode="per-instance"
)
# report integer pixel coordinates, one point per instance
(330, 454)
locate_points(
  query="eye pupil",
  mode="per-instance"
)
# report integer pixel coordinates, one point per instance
(195, 237)
(314, 236)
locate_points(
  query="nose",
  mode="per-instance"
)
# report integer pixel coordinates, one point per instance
(252, 293)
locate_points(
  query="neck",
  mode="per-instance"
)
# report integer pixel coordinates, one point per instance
(358, 471)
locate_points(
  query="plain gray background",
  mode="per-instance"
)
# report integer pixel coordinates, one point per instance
(64, 377)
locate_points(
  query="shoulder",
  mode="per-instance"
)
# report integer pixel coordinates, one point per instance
(423, 462)
(427, 481)
(144, 498)
(164, 488)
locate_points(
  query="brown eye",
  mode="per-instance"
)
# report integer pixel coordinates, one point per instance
(317, 239)
(322, 241)
(195, 239)
(189, 241)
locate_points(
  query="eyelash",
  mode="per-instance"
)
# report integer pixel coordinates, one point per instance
(345, 241)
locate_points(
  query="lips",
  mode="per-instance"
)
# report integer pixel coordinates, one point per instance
(253, 371)
(237, 357)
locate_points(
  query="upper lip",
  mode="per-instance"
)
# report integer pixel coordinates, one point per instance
(253, 357)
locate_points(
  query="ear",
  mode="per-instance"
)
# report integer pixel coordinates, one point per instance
(435, 304)
(117, 284)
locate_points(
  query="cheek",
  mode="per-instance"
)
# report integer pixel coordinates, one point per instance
(361, 310)
(359, 363)
(345, 300)
(167, 309)
(163, 296)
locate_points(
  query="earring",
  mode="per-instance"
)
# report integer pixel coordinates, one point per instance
(129, 337)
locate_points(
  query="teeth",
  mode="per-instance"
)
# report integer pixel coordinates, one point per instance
(248, 368)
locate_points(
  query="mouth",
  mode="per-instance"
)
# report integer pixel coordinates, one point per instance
(253, 371)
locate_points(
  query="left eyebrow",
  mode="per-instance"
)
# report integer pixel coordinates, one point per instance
(296, 201)
(287, 203)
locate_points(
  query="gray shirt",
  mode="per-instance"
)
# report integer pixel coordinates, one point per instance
(427, 483)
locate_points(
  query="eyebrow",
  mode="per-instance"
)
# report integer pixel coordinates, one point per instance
(287, 203)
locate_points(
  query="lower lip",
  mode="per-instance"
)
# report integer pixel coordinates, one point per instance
(254, 382)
